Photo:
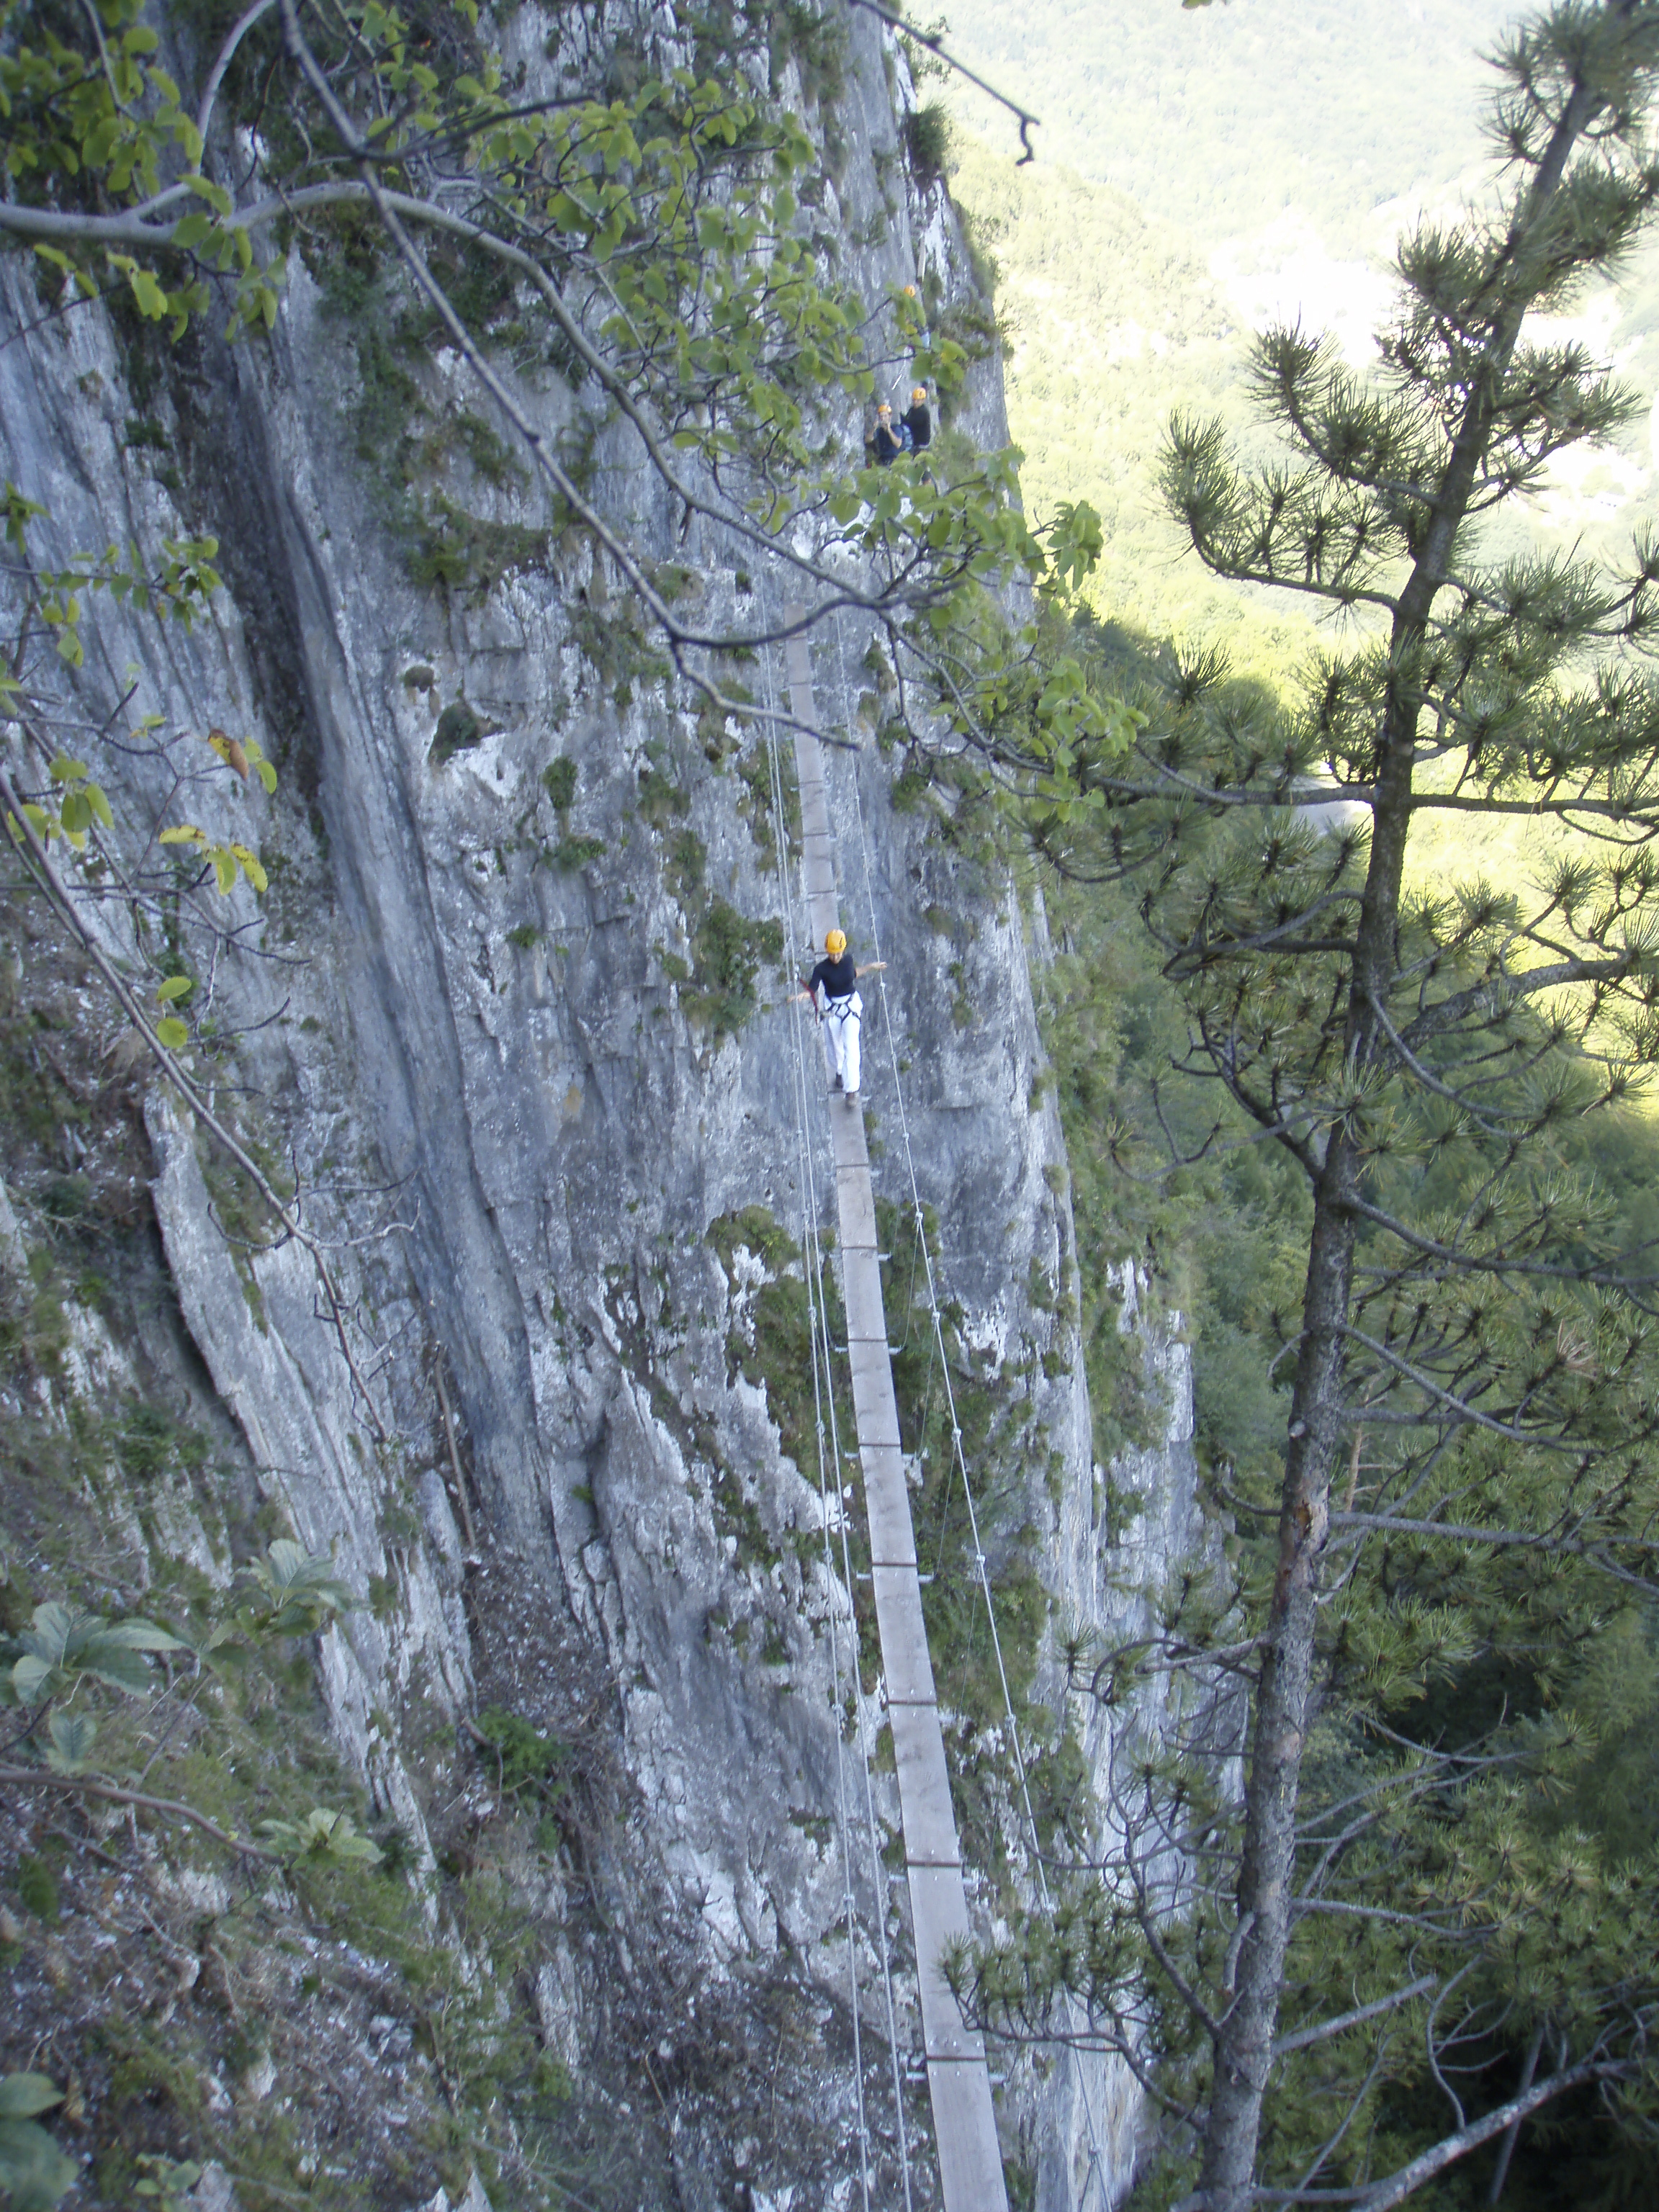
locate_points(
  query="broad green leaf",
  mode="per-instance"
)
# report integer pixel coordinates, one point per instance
(215, 195)
(141, 1636)
(23, 2095)
(72, 1736)
(295, 1591)
(323, 1833)
(49, 1632)
(34, 2172)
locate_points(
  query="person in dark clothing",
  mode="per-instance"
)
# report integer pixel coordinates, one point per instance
(889, 444)
(833, 989)
(836, 975)
(919, 421)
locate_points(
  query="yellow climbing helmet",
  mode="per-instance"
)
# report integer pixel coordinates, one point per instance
(836, 944)
(883, 409)
(920, 393)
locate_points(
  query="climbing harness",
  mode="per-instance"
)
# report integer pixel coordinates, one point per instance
(843, 1018)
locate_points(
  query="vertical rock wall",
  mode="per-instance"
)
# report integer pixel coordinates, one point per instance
(474, 1033)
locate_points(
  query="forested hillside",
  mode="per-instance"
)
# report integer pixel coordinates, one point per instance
(1371, 1082)
(1197, 176)
(1201, 174)
(1219, 119)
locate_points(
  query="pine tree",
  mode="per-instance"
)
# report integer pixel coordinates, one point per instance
(1416, 1887)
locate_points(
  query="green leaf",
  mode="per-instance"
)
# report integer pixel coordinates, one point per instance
(32, 2169)
(249, 862)
(294, 1591)
(72, 1736)
(141, 1636)
(171, 1032)
(190, 230)
(215, 195)
(48, 1634)
(324, 1834)
(23, 2095)
(148, 295)
(176, 987)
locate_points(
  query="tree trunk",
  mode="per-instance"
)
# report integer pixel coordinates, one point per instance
(1243, 2045)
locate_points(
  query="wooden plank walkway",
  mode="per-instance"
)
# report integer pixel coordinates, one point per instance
(959, 2081)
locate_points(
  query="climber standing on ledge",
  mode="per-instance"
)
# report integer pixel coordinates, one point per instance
(833, 989)
(888, 442)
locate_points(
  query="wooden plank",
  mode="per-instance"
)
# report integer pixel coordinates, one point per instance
(866, 1320)
(887, 1512)
(858, 1214)
(905, 1659)
(970, 2159)
(924, 1786)
(959, 2081)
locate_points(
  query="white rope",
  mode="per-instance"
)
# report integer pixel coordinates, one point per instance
(822, 1389)
(1097, 2157)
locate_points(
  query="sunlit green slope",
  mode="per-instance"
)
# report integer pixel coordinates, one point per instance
(1219, 118)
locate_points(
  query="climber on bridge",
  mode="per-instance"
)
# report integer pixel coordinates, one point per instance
(919, 420)
(833, 990)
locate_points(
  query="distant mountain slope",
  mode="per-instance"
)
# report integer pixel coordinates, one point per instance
(1219, 119)
(1200, 174)
(1110, 321)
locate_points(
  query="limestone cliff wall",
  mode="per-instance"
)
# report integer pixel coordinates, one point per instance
(486, 1069)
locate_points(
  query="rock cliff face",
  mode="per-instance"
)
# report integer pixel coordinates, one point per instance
(499, 1015)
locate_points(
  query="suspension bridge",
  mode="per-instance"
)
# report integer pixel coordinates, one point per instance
(958, 2077)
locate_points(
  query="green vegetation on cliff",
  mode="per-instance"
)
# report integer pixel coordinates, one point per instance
(1425, 1626)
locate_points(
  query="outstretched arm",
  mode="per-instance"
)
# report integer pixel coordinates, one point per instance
(871, 968)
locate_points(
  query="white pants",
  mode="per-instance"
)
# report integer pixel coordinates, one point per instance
(841, 1038)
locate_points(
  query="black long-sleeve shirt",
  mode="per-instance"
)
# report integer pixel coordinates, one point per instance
(919, 423)
(839, 977)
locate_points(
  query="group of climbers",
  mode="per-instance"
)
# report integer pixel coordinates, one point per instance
(912, 432)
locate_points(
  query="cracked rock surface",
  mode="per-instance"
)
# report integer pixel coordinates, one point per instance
(476, 1043)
